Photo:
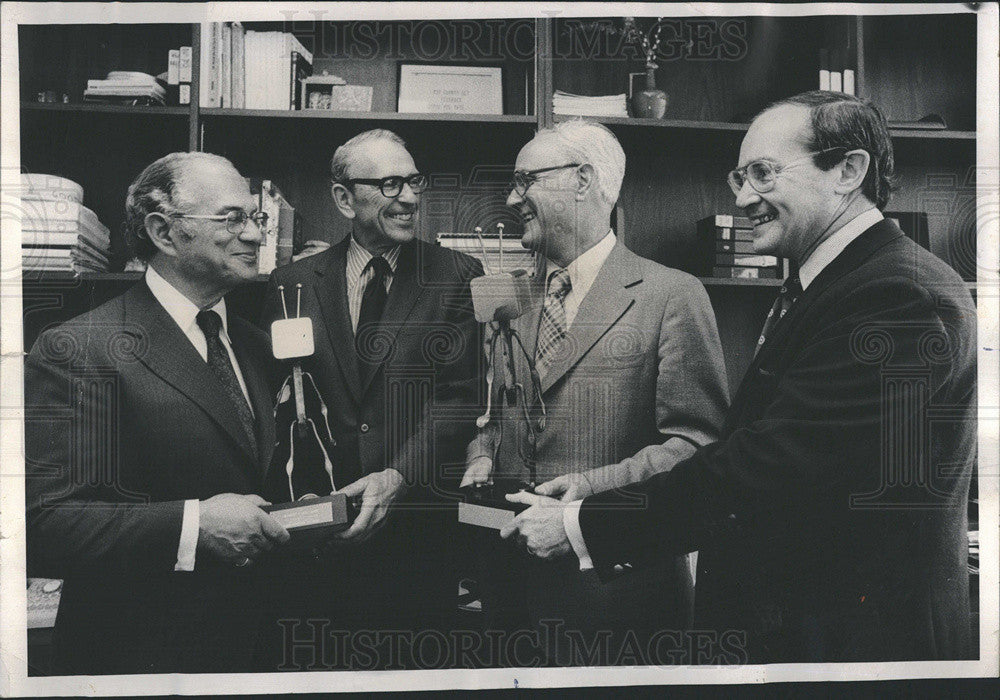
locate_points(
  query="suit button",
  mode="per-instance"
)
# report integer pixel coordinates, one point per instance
(365, 428)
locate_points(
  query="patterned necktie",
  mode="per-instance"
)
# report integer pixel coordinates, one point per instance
(372, 306)
(790, 291)
(220, 364)
(552, 327)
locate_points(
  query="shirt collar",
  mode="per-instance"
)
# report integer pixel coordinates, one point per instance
(181, 309)
(358, 256)
(583, 270)
(827, 251)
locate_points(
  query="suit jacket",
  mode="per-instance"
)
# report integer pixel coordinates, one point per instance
(124, 422)
(414, 412)
(831, 519)
(641, 366)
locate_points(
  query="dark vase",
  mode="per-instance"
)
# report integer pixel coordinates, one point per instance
(650, 103)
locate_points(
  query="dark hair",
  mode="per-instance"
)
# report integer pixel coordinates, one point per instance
(842, 122)
(155, 190)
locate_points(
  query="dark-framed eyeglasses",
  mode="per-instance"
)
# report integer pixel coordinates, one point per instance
(523, 179)
(392, 186)
(236, 220)
(762, 174)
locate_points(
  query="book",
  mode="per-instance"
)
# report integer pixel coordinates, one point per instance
(225, 65)
(39, 186)
(208, 90)
(184, 64)
(731, 246)
(743, 260)
(745, 273)
(238, 51)
(173, 67)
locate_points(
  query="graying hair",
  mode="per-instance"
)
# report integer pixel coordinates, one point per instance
(156, 190)
(586, 141)
(342, 156)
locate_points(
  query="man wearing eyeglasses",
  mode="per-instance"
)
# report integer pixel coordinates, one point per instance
(831, 518)
(632, 379)
(397, 362)
(149, 428)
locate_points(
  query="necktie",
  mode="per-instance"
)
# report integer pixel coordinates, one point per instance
(372, 306)
(552, 327)
(790, 291)
(220, 364)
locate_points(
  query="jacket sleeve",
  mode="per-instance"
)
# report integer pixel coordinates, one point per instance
(80, 517)
(447, 423)
(817, 434)
(691, 388)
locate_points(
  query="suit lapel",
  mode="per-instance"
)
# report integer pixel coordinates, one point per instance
(608, 298)
(331, 292)
(257, 388)
(853, 255)
(403, 295)
(168, 353)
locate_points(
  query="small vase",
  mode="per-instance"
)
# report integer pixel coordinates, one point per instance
(650, 103)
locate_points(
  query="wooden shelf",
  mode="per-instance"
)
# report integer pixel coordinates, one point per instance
(730, 282)
(369, 116)
(737, 127)
(96, 108)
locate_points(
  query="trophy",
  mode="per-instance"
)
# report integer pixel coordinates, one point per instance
(497, 300)
(313, 511)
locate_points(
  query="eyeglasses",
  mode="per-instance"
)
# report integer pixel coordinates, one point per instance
(391, 186)
(762, 174)
(523, 179)
(236, 220)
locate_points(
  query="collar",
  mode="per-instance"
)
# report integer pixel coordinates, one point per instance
(583, 270)
(827, 251)
(358, 256)
(180, 308)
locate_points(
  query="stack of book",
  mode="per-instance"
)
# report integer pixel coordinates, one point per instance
(733, 256)
(126, 87)
(243, 69)
(589, 106)
(58, 232)
(282, 230)
(495, 255)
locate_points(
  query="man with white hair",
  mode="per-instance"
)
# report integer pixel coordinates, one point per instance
(629, 359)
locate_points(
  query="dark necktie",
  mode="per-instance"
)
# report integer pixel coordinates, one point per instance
(220, 364)
(790, 291)
(372, 306)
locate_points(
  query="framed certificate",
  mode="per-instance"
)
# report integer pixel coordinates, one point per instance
(450, 89)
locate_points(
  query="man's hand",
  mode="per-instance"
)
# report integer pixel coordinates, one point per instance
(540, 528)
(477, 471)
(233, 528)
(378, 491)
(567, 488)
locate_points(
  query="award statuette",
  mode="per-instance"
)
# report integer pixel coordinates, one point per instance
(314, 511)
(497, 300)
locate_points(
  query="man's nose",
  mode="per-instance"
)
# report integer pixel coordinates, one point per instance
(747, 195)
(513, 199)
(407, 195)
(252, 233)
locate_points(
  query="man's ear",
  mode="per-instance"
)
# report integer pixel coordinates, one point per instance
(852, 171)
(159, 231)
(586, 178)
(343, 198)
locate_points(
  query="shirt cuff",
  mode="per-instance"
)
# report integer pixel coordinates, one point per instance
(188, 545)
(571, 521)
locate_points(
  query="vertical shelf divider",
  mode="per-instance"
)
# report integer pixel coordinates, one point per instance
(543, 72)
(194, 117)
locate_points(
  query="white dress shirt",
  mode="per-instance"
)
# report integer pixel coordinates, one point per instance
(358, 277)
(582, 273)
(184, 313)
(824, 254)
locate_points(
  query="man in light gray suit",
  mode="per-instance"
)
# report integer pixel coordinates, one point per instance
(630, 362)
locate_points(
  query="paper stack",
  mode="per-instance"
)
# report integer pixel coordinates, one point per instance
(58, 233)
(128, 87)
(589, 106)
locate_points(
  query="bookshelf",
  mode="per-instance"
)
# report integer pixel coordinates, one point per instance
(718, 74)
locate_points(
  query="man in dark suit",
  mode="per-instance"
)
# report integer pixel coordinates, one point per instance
(632, 359)
(148, 429)
(397, 362)
(831, 518)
